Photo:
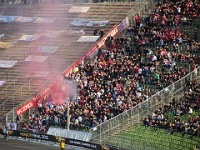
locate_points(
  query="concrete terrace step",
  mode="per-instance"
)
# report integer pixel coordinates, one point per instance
(68, 52)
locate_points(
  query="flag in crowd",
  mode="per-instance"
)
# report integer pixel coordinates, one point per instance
(123, 25)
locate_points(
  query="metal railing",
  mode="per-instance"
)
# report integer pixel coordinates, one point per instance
(137, 113)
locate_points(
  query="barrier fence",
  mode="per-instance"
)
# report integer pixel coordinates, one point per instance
(137, 113)
(50, 138)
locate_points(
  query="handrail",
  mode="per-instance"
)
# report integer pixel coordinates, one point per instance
(16, 91)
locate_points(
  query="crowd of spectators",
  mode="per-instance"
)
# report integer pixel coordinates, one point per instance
(162, 26)
(179, 108)
(128, 69)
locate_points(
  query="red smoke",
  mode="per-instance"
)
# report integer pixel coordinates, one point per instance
(60, 91)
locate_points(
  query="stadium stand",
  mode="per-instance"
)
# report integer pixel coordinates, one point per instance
(142, 138)
(17, 89)
(173, 131)
(122, 75)
(153, 54)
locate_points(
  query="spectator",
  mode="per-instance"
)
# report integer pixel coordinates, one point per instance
(101, 33)
(6, 132)
(96, 32)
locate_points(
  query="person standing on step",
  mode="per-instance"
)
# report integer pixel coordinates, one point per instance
(6, 132)
(62, 144)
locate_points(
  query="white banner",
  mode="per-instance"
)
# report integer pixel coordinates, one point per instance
(44, 20)
(2, 83)
(80, 22)
(7, 63)
(1, 36)
(79, 9)
(25, 19)
(36, 58)
(29, 37)
(75, 32)
(12, 126)
(52, 34)
(124, 24)
(37, 74)
(47, 49)
(93, 23)
(88, 38)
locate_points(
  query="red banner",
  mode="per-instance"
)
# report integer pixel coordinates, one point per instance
(24, 108)
(40, 97)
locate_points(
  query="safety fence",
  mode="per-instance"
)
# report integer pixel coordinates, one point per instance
(44, 138)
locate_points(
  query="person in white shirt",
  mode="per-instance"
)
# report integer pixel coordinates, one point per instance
(154, 58)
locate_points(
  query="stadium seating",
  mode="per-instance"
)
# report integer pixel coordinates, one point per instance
(17, 89)
(152, 139)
